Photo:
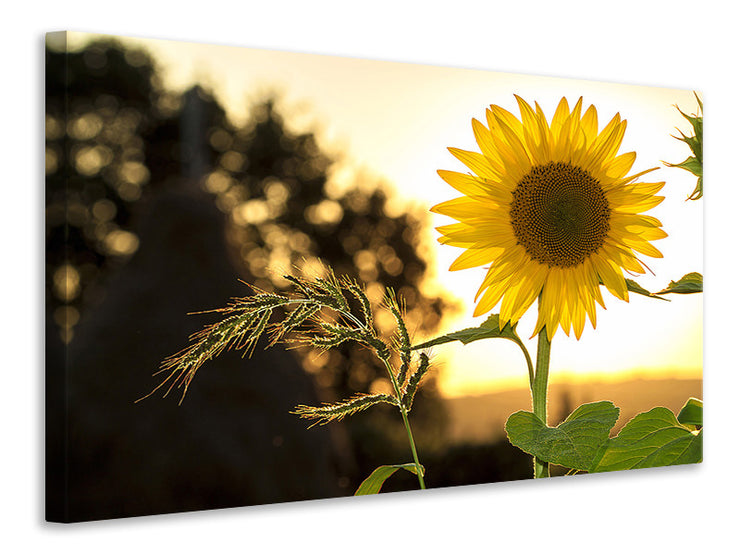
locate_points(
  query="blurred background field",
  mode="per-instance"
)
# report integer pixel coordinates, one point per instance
(481, 418)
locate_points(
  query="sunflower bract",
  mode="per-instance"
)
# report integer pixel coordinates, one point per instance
(552, 210)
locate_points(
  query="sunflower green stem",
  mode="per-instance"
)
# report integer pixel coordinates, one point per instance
(539, 393)
(530, 368)
(404, 415)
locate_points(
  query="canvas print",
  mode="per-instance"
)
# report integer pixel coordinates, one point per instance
(276, 276)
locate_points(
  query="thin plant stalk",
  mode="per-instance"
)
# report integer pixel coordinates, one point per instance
(539, 393)
(404, 415)
(402, 409)
(530, 368)
(249, 318)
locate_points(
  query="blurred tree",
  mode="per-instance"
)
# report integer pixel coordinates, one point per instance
(99, 103)
(288, 215)
(114, 135)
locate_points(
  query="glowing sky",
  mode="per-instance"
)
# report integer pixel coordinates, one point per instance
(398, 119)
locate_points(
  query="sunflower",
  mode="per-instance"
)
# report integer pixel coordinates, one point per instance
(551, 208)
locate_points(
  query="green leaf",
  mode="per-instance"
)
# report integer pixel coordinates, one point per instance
(574, 443)
(690, 164)
(690, 283)
(653, 438)
(637, 288)
(698, 100)
(698, 190)
(375, 481)
(488, 329)
(692, 413)
(694, 163)
(695, 146)
(695, 142)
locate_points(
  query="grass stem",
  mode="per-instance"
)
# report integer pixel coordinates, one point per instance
(404, 415)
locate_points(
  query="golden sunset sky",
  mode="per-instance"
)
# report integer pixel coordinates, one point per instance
(397, 120)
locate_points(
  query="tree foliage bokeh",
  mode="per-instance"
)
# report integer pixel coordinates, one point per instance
(116, 136)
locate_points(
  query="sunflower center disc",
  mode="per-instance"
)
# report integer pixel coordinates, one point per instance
(559, 214)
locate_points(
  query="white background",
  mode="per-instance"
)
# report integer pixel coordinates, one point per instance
(669, 44)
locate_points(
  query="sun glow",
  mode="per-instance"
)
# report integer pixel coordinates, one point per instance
(398, 120)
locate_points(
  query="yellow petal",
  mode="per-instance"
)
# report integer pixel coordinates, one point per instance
(590, 124)
(468, 185)
(625, 257)
(593, 284)
(535, 132)
(485, 233)
(475, 161)
(472, 258)
(609, 139)
(509, 119)
(561, 114)
(621, 165)
(576, 113)
(643, 247)
(492, 296)
(611, 276)
(507, 264)
(488, 148)
(645, 188)
(625, 181)
(528, 292)
(653, 234)
(513, 140)
(465, 207)
(637, 221)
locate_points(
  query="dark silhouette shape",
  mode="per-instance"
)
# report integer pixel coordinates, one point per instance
(232, 440)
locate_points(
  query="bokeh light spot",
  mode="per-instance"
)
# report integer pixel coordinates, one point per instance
(325, 212)
(66, 316)
(134, 172)
(381, 386)
(104, 210)
(54, 129)
(51, 160)
(233, 161)
(66, 282)
(220, 140)
(85, 127)
(89, 160)
(276, 192)
(130, 192)
(299, 241)
(251, 212)
(121, 243)
(218, 182)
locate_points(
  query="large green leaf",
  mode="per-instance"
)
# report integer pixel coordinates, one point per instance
(375, 481)
(692, 282)
(652, 438)
(488, 329)
(574, 443)
(692, 413)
